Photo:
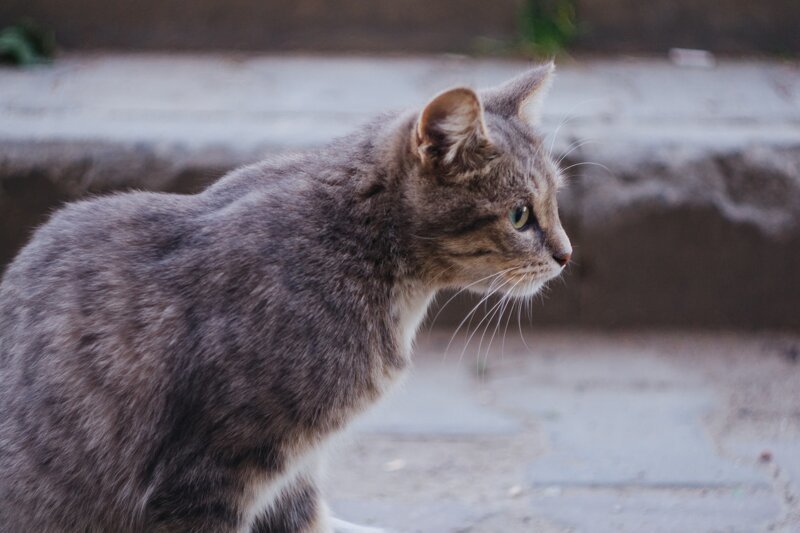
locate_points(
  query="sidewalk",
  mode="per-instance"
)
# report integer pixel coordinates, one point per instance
(698, 170)
(582, 432)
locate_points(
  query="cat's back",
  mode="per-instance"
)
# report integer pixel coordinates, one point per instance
(70, 306)
(108, 241)
(130, 238)
(96, 316)
(111, 267)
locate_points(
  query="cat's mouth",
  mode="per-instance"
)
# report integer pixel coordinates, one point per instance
(515, 281)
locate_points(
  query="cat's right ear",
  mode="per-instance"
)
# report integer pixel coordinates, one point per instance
(450, 132)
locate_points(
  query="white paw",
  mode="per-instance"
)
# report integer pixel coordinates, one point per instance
(340, 526)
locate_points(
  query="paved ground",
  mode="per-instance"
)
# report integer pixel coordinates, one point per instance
(582, 432)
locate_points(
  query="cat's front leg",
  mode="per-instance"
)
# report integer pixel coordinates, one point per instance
(299, 508)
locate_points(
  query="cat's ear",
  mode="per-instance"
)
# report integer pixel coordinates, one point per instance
(450, 131)
(522, 96)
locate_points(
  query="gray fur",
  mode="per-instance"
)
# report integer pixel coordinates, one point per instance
(164, 358)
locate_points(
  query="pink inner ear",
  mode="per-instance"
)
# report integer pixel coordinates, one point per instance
(455, 113)
(451, 130)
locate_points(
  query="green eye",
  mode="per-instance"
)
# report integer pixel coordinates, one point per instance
(519, 216)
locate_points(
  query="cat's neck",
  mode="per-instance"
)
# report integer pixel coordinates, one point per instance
(360, 183)
(411, 293)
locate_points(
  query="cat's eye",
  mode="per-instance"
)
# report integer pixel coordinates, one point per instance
(519, 216)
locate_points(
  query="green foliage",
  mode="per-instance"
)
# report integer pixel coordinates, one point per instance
(25, 43)
(547, 27)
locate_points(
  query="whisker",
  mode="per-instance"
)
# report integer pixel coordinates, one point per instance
(489, 323)
(505, 330)
(499, 315)
(574, 147)
(555, 134)
(493, 290)
(462, 289)
(519, 324)
(506, 298)
(489, 294)
(589, 163)
(466, 345)
(568, 117)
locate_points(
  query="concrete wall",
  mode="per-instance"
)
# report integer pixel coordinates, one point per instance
(731, 26)
(709, 240)
(369, 25)
(407, 26)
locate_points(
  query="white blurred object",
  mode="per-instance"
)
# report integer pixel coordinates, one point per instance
(688, 57)
(552, 492)
(515, 491)
(394, 466)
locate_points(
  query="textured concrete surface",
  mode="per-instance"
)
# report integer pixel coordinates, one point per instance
(581, 432)
(684, 197)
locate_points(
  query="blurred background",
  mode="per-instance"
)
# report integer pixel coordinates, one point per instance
(655, 388)
(677, 121)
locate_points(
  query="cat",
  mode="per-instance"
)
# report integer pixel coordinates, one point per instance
(177, 362)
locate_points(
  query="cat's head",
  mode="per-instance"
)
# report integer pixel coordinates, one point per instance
(484, 190)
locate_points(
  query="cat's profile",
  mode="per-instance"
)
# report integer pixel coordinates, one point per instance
(176, 362)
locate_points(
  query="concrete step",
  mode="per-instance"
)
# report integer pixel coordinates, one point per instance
(412, 25)
(684, 202)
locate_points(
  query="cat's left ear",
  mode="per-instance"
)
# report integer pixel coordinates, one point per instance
(450, 131)
(522, 96)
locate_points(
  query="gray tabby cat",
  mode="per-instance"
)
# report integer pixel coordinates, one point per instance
(176, 362)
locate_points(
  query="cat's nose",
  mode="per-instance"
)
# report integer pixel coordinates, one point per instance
(562, 258)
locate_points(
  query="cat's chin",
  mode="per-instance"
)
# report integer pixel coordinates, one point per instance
(526, 289)
(515, 289)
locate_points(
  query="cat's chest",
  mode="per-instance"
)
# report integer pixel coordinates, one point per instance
(409, 307)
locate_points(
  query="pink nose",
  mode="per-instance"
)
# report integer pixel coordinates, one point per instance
(562, 258)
